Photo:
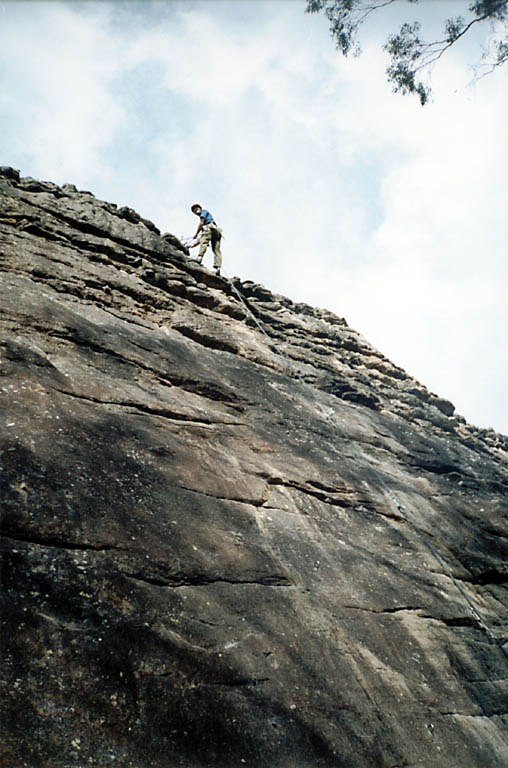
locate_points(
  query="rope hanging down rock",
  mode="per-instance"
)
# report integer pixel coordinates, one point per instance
(375, 474)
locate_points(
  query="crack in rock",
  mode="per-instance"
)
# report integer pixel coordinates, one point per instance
(58, 543)
(202, 580)
(150, 411)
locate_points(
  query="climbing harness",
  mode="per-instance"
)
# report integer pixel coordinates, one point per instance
(375, 474)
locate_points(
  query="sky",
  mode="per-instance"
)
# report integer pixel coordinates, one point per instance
(330, 189)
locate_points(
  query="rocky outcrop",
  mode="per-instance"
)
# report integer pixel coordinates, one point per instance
(208, 550)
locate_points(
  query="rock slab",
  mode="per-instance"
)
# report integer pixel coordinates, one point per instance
(206, 554)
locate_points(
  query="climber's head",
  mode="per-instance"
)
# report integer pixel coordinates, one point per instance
(196, 208)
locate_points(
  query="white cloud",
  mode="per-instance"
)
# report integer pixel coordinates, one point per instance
(60, 66)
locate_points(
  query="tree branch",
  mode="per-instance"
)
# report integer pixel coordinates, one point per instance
(409, 53)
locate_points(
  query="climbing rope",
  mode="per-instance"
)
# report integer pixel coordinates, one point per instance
(376, 475)
(187, 241)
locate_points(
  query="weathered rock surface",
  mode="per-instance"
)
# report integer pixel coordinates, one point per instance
(203, 564)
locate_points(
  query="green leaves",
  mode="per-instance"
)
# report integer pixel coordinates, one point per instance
(411, 55)
(494, 9)
(454, 29)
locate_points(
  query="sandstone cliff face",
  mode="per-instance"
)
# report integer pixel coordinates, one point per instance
(207, 560)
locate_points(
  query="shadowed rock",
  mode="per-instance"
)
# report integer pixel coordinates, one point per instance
(206, 557)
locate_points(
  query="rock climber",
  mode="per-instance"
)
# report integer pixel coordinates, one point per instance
(208, 231)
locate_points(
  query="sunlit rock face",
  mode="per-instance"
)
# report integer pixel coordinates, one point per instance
(207, 556)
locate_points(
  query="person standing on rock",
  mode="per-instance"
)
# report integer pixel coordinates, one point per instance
(208, 232)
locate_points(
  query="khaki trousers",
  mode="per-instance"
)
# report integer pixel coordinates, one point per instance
(211, 233)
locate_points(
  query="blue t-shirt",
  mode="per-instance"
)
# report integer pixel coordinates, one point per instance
(206, 215)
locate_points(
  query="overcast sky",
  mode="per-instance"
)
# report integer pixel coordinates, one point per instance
(330, 189)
